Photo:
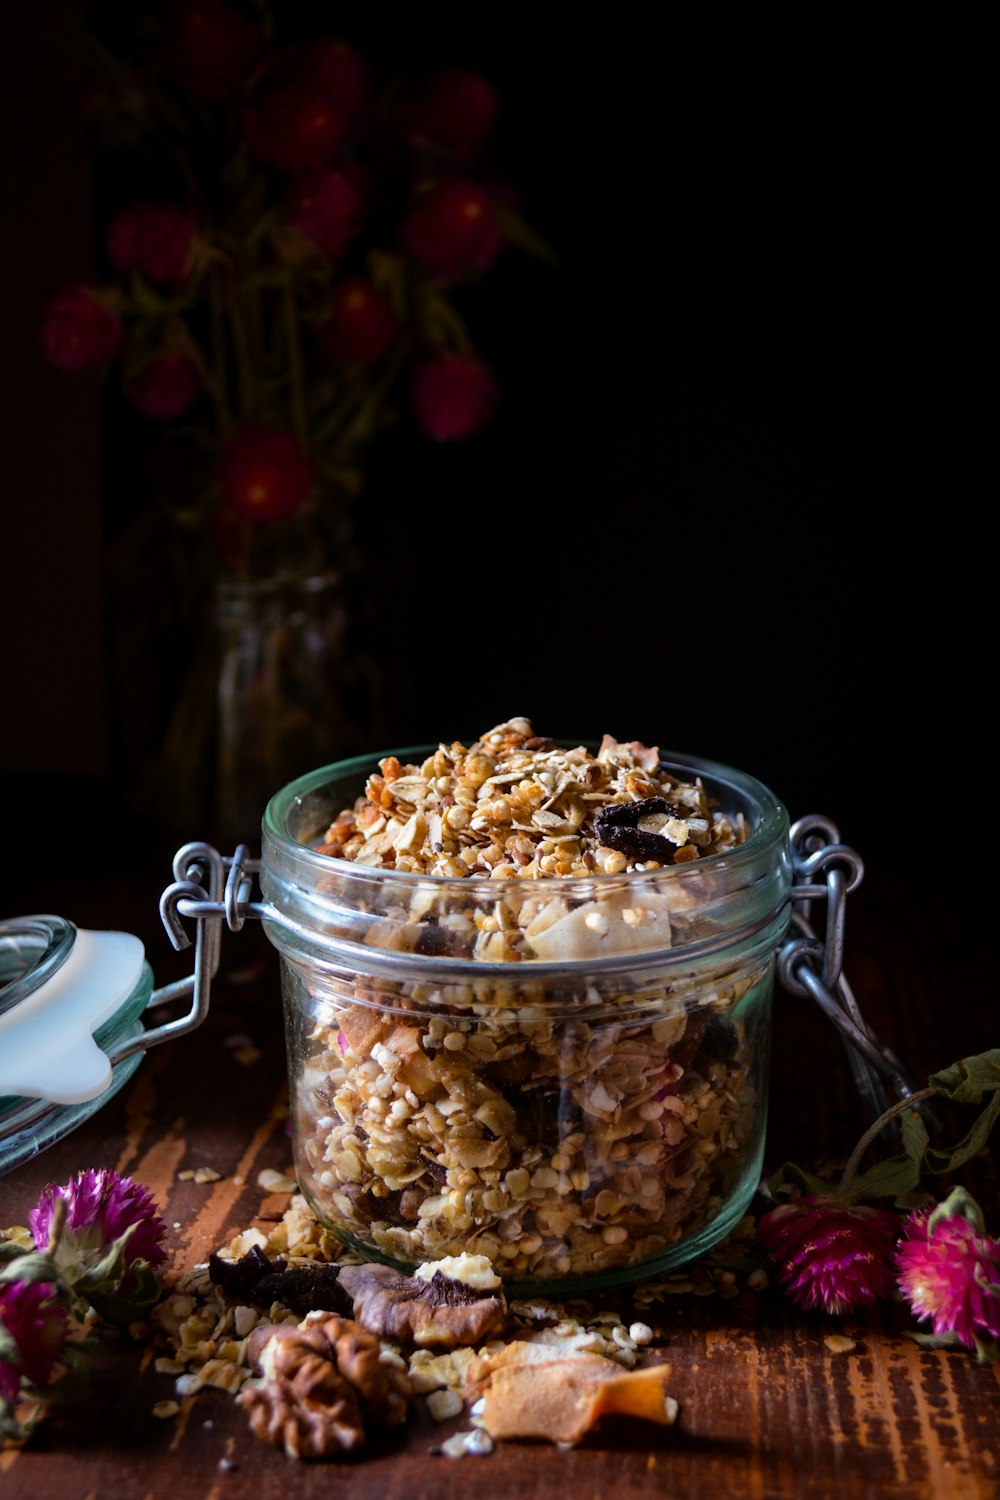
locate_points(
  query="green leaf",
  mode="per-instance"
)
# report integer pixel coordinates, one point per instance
(941, 1159)
(967, 1081)
(886, 1179)
(519, 234)
(9, 1250)
(32, 1266)
(121, 1310)
(795, 1175)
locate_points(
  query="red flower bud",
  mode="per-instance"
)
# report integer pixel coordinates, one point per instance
(362, 324)
(326, 208)
(264, 474)
(456, 113)
(451, 228)
(452, 396)
(166, 387)
(155, 239)
(209, 47)
(82, 328)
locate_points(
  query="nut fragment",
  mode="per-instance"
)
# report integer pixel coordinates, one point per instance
(438, 1311)
(321, 1387)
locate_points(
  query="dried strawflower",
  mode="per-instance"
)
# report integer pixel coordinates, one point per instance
(452, 228)
(82, 328)
(33, 1330)
(155, 239)
(209, 47)
(103, 1213)
(455, 113)
(452, 397)
(326, 208)
(361, 325)
(264, 474)
(165, 387)
(831, 1255)
(949, 1272)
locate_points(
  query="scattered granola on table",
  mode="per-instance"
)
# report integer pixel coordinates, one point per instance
(325, 1385)
(563, 1125)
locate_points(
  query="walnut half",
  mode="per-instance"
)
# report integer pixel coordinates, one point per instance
(438, 1311)
(321, 1386)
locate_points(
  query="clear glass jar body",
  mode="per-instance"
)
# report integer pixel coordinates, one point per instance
(591, 1113)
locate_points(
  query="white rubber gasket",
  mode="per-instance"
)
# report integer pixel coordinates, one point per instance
(47, 1047)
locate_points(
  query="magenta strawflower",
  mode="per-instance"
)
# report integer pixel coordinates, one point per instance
(452, 397)
(949, 1271)
(264, 474)
(832, 1256)
(36, 1325)
(210, 47)
(452, 228)
(82, 328)
(455, 112)
(166, 387)
(361, 325)
(155, 239)
(100, 1207)
(326, 208)
(294, 124)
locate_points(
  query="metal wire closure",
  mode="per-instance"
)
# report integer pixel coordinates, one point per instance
(200, 890)
(811, 964)
(209, 889)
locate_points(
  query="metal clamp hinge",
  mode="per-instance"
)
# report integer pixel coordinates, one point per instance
(828, 871)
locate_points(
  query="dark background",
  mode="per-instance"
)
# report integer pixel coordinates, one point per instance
(734, 501)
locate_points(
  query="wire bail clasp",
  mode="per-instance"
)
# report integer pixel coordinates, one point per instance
(811, 964)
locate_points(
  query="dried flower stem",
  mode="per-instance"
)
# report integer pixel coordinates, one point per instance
(873, 1131)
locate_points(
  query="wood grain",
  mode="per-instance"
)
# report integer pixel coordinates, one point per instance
(768, 1412)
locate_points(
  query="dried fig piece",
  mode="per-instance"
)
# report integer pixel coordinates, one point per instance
(302, 1289)
(619, 826)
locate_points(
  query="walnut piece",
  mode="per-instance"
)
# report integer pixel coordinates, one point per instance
(441, 1311)
(321, 1386)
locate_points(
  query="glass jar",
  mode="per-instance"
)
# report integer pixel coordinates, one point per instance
(593, 1113)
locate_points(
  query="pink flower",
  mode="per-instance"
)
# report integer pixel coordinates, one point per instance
(452, 396)
(456, 112)
(294, 123)
(326, 208)
(166, 387)
(209, 47)
(155, 239)
(82, 328)
(949, 1271)
(100, 1207)
(361, 325)
(452, 228)
(36, 1322)
(330, 67)
(830, 1255)
(264, 474)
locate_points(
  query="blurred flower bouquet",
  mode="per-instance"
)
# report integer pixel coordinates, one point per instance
(286, 281)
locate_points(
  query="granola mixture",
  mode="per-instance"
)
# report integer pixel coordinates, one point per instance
(560, 1129)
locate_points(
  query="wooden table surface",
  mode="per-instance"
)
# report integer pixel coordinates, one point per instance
(766, 1409)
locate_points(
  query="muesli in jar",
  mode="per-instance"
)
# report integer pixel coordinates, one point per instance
(556, 1055)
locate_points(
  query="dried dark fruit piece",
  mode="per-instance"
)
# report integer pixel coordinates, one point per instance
(302, 1289)
(617, 827)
